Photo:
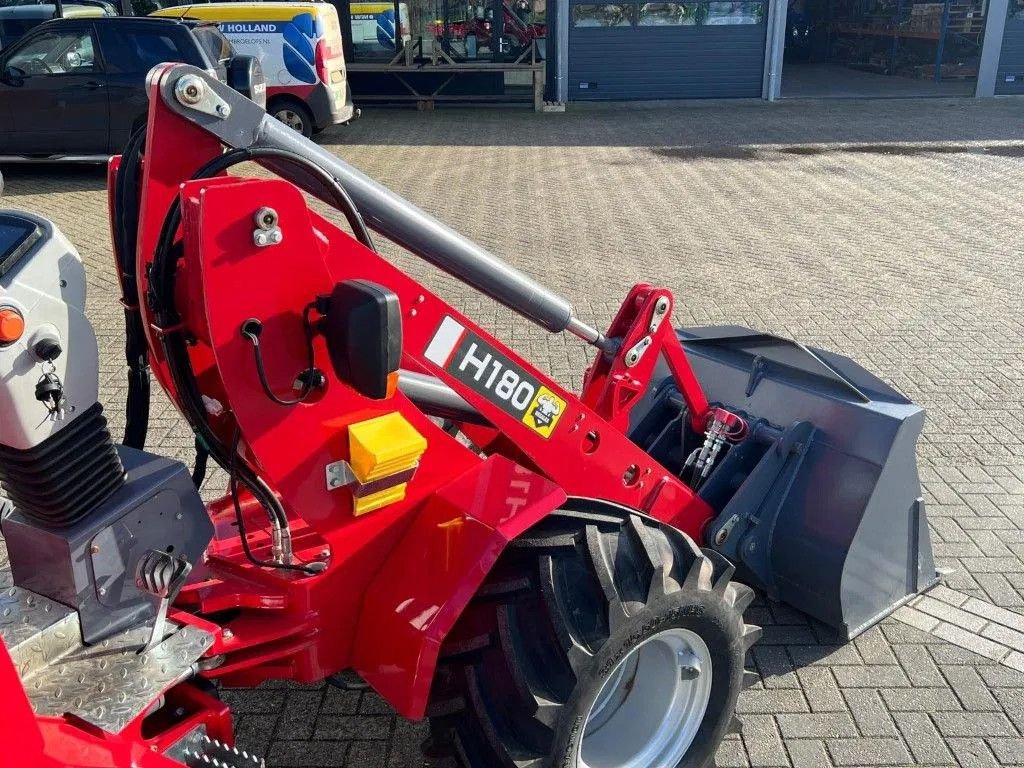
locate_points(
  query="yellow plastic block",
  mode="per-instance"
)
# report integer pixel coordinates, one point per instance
(383, 446)
(379, 499)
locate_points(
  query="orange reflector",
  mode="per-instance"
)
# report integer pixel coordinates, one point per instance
(12, 325)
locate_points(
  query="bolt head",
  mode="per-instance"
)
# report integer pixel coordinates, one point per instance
(189, 90)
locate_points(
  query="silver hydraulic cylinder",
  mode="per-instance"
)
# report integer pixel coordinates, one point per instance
(240, 123)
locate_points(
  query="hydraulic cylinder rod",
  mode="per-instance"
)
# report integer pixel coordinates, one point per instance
(240, 123)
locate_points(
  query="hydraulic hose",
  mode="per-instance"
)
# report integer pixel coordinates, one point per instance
(161, 298)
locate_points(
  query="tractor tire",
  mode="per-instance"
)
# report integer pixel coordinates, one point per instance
(601, 639)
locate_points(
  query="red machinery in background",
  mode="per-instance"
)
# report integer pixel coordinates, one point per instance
(411, 499)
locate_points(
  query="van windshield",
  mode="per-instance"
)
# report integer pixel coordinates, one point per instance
(214, 43)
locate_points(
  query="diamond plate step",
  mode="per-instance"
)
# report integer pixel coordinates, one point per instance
(108, 684)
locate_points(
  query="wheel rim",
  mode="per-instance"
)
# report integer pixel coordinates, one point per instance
(291, 118)
(650, 708)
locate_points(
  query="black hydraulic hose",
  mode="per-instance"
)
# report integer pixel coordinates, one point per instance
(125, 228)
(172, 339)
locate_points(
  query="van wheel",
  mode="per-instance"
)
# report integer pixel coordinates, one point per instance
(294, 114)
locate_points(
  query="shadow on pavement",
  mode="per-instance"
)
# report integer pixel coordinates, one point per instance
(52, 177)
(694, 124)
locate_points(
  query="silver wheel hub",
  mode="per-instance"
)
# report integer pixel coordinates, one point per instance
(651, 706)
(290, 118)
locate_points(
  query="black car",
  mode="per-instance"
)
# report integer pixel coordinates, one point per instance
(17, 17)
(74, 89)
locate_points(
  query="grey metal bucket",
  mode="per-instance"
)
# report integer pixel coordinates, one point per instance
(821, 508)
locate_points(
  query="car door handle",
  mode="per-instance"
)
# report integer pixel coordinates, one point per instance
(93, 85)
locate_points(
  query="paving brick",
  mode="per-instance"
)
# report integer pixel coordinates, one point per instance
(918, 666)
(340, 702)
(299, 714)
(772, 702)
(972, 753)
(868, 752)
(307, 754)
(973, 724)
(831, 656)
(1004, 636)
(775, 666)
(820, 689)
(870, 713)
(925, 743)
(1015, 660)
(871, 677)
(346, 727)
(1011, 700)
(366, 754)
(920, 699)
(808, 753)
(254, 733)
(970, 689)
(874, 648)
(1008, 751)
(972, 642)
(763, 743)
(949, 614)
(245, 701)
(915, 618)
(810, 726)
(731, 755)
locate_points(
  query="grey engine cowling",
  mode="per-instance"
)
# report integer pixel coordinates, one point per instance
(82, 512)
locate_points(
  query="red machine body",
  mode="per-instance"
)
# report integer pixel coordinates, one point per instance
(396, 579)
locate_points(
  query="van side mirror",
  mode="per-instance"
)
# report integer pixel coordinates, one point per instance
(245, 75)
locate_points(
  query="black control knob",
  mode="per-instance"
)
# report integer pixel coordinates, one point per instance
(47, 349)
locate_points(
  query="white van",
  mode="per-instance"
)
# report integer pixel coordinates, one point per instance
(299, 46)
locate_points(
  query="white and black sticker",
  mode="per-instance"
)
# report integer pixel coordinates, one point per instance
(485, 370)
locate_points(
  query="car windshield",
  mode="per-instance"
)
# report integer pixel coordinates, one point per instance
(55, 53)
(214, 43)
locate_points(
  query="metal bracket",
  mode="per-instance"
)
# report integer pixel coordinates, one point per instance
(340, 475)
(191, 92)
(635, 352)
(661, 308)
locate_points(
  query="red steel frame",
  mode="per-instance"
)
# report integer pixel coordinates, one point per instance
(397, 578)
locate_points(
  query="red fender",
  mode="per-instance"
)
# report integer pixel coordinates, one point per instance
(455, 541)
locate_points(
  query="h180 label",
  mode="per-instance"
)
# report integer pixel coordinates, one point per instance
(488, 372)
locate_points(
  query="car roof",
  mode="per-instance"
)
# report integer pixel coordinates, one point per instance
(136, 21)
(37, 11)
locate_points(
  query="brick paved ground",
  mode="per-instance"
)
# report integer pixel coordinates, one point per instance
(907, 259)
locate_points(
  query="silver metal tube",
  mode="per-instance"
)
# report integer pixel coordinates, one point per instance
(249, 126)
(436, 398)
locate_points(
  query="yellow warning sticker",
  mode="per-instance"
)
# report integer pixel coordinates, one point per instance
(544, 411)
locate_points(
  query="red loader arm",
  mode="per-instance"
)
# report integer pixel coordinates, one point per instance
(458, 511)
